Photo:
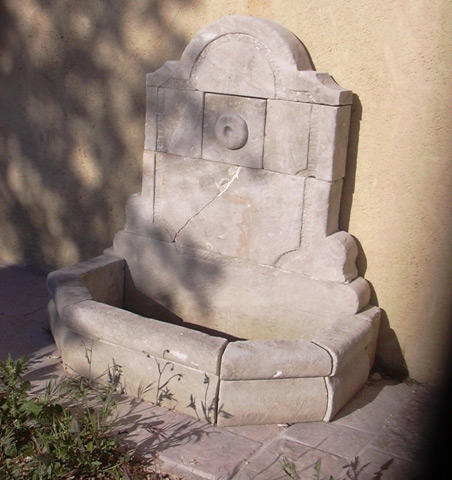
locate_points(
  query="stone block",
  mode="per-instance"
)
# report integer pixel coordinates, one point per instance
(254, 359)
(332, 259)
(335, 439)
(158, 380)
(180, 114)
(387, 466)
(368, 410)
(101, 277)
(350, 336)
(314, 87)
(68, 292)
(170, 342)
(202, 290)
(328, 141)
(249, 202)
(185, 187)
(234, 130)
(213, 454)
(253, 76)
(320, 212)
(286, 400)
(150, 128)
(287, 136)
(148, 182)
(345, 383)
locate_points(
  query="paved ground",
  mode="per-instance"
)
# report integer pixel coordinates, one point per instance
(381, 434)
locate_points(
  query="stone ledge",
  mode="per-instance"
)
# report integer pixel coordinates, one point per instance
(260, 359)
(171, 342)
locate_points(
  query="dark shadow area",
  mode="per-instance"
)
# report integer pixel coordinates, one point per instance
(24, 325)
(438, 445)
(71, 130)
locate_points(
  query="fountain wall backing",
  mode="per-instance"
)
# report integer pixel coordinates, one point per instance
(230, 294)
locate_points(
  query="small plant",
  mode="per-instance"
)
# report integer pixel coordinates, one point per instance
(66, 433)
(291, 471)
(290, 468)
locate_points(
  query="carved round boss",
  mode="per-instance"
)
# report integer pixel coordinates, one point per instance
(231, 131)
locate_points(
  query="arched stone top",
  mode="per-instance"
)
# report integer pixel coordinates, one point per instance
(250, 56)
(282, 44)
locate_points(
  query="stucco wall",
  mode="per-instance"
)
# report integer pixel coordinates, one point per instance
(71, 136)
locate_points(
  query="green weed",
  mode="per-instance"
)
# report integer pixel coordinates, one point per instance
(66, 433)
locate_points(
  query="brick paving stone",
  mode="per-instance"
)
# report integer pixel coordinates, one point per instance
(330, 438)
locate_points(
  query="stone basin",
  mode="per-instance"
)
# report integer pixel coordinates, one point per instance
(231, 294)
(214, 376)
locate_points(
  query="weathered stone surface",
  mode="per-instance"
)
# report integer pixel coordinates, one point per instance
(368, 410)
(185, 187)
(179, 122)
(170, 342)
(333, 259)
(158, 380)
(320, 211)
(328, 141)
(330, 438)
(267, 463)
(233, 237)
(229, 117)
(288, 400)
(199, 288)
(254, 359)
(350, 336)
(376, 464)
(101, 278)
(106, 283)
(250, 204)
(150, 128)
(199, 459)
(148, 183)
(346, 383)
(286, 149)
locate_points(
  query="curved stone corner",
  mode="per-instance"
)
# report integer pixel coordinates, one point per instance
(332, 259)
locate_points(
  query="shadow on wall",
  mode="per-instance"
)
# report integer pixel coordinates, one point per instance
(72, 90)
(389, 352)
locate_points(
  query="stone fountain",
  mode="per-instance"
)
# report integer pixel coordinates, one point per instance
(231, 294)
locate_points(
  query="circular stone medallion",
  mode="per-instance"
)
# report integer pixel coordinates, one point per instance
(231, 131)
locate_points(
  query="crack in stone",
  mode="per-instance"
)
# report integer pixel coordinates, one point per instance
(222, 189)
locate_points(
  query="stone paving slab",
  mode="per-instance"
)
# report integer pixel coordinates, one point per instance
(407, 433)
(375, 465)
(329, 438)
(372, 405)
(268, 463)
(184, 445)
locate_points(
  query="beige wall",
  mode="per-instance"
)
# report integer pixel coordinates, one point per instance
(71, 136)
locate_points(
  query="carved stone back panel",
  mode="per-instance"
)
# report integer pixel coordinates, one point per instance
(245, 152)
